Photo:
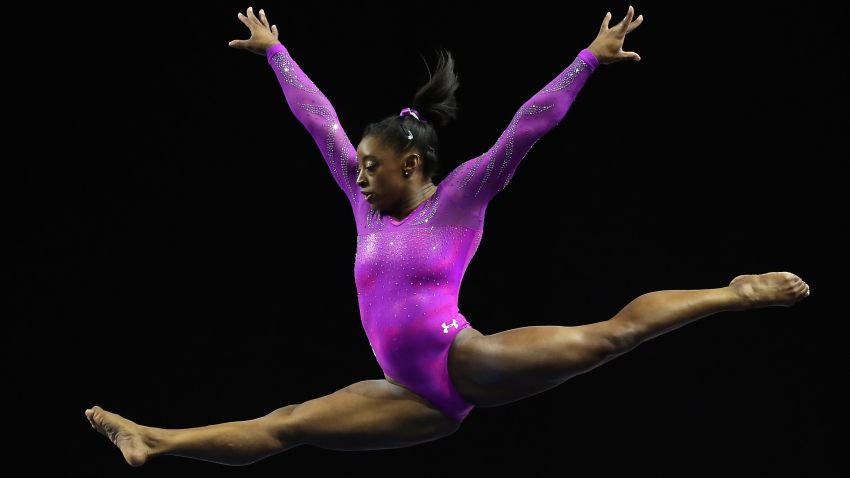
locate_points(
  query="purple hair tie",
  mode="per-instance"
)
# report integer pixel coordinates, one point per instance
(411, 112)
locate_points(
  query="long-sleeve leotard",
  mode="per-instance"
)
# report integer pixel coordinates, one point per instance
(408, 272)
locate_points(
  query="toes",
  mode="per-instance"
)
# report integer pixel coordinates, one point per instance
(801, 290)
(785, 275)
(792, 280)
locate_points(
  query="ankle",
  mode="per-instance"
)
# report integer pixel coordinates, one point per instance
(736, 298)
(157, 439)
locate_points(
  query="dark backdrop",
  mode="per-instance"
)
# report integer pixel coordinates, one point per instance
(186, 257)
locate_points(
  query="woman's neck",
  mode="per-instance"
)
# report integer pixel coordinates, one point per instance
(422, 194)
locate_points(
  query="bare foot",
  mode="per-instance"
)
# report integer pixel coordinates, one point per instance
(774, 288)
(126, 435)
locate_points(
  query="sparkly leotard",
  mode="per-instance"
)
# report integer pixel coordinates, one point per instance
(408, 272)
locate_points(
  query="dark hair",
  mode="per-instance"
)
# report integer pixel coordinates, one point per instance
(435, 103)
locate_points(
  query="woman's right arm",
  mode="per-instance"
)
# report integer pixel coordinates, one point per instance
(309, 105)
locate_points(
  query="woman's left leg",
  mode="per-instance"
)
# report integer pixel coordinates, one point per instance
(491, 370)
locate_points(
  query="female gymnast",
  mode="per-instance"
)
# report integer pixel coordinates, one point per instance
(414, 242)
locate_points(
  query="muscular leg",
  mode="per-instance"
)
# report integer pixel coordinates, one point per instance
(368, 415)
(508, 366)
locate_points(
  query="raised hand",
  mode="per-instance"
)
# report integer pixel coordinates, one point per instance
(262, 35)
(608, 45)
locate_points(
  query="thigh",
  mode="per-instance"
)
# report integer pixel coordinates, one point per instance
(368, 415)
(491, 370)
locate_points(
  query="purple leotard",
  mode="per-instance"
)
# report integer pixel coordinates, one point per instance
(408, 272)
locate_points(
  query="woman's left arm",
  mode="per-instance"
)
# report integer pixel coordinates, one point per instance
(481, 178)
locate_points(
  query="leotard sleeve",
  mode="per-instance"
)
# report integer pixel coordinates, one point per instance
(316, 113)
(479, 179)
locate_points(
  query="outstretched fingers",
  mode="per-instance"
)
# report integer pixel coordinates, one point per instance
(244, 19)
(251, 21)
(262, 35)
(623, 26)
(605, 21)
(636, 23)
(252, 17)
(630, 55)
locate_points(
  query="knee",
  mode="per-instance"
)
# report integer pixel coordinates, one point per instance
(622, 336)
(280, 424)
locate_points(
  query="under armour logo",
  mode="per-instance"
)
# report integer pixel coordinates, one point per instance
(446, 327)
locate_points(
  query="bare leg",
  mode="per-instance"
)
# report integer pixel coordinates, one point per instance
(508, 366)
(368, 415)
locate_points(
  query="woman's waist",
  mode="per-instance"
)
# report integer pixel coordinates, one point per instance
(410, 317)
(412, 331)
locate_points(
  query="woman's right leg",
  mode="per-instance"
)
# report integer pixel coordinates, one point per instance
(368, 415)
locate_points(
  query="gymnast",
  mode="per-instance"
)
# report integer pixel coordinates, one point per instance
(414, 242)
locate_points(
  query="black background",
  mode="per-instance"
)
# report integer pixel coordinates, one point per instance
(186, 258)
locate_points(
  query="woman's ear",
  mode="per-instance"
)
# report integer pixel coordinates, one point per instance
(412, 161)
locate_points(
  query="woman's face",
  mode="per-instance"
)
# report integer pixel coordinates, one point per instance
(379, 174)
